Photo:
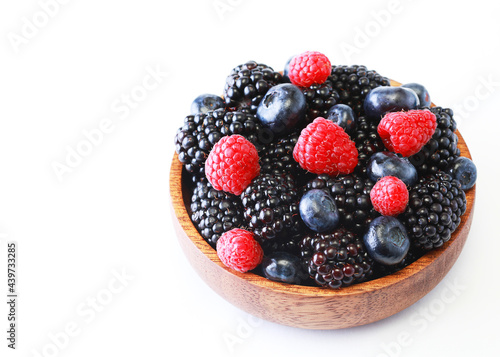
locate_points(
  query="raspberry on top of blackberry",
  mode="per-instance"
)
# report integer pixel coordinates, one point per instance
(200, 132)
(442, 149)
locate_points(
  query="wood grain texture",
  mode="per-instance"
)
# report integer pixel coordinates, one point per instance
(315, 307)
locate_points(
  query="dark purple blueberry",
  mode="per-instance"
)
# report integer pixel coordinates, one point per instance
(387, 163)
(389, 99)
(319, 211)
(282, 108)
(422, 93)
(206, 102)
(344, 116)
(386, 240)
(463, 170)
(284, 267)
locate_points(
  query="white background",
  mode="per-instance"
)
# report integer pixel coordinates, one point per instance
(110, 215)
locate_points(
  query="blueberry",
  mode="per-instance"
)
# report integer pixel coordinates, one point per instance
(344, 116)
(206, 102)
(282, 108)
(283, 267)
(319, 211)
(386, 240)
(463, 170)
(389, 99)
(422, 93)
(387, 163)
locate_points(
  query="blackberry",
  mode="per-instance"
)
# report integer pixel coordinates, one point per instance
(336, 259)
(433, 213)
(353, 84)
(351, 194)
(201, 132)
(277, 157)
(271, 206)
(214, 212)
(381, 270)
(320, 98)
(442, 148)
(247, 84)
(367, 141)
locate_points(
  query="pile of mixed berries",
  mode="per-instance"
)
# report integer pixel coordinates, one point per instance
(323, 175)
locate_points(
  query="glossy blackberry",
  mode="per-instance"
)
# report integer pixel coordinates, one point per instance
(200, 132)
(351, 194)
(367, 142)
(320, 98)
(436, 204)
(442, 148)
(277, 157)
(336, 259)
(215, 212)
(271, 207)
(195, 178)
(247, 84)
(353, 84)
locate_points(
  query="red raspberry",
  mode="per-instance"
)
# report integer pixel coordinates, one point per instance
(325, 148)
(407, 132)
(238, 250)
(232, 164)
(308, 68)
(389, 196)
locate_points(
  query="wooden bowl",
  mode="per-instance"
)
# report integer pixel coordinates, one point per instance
(315, 307)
